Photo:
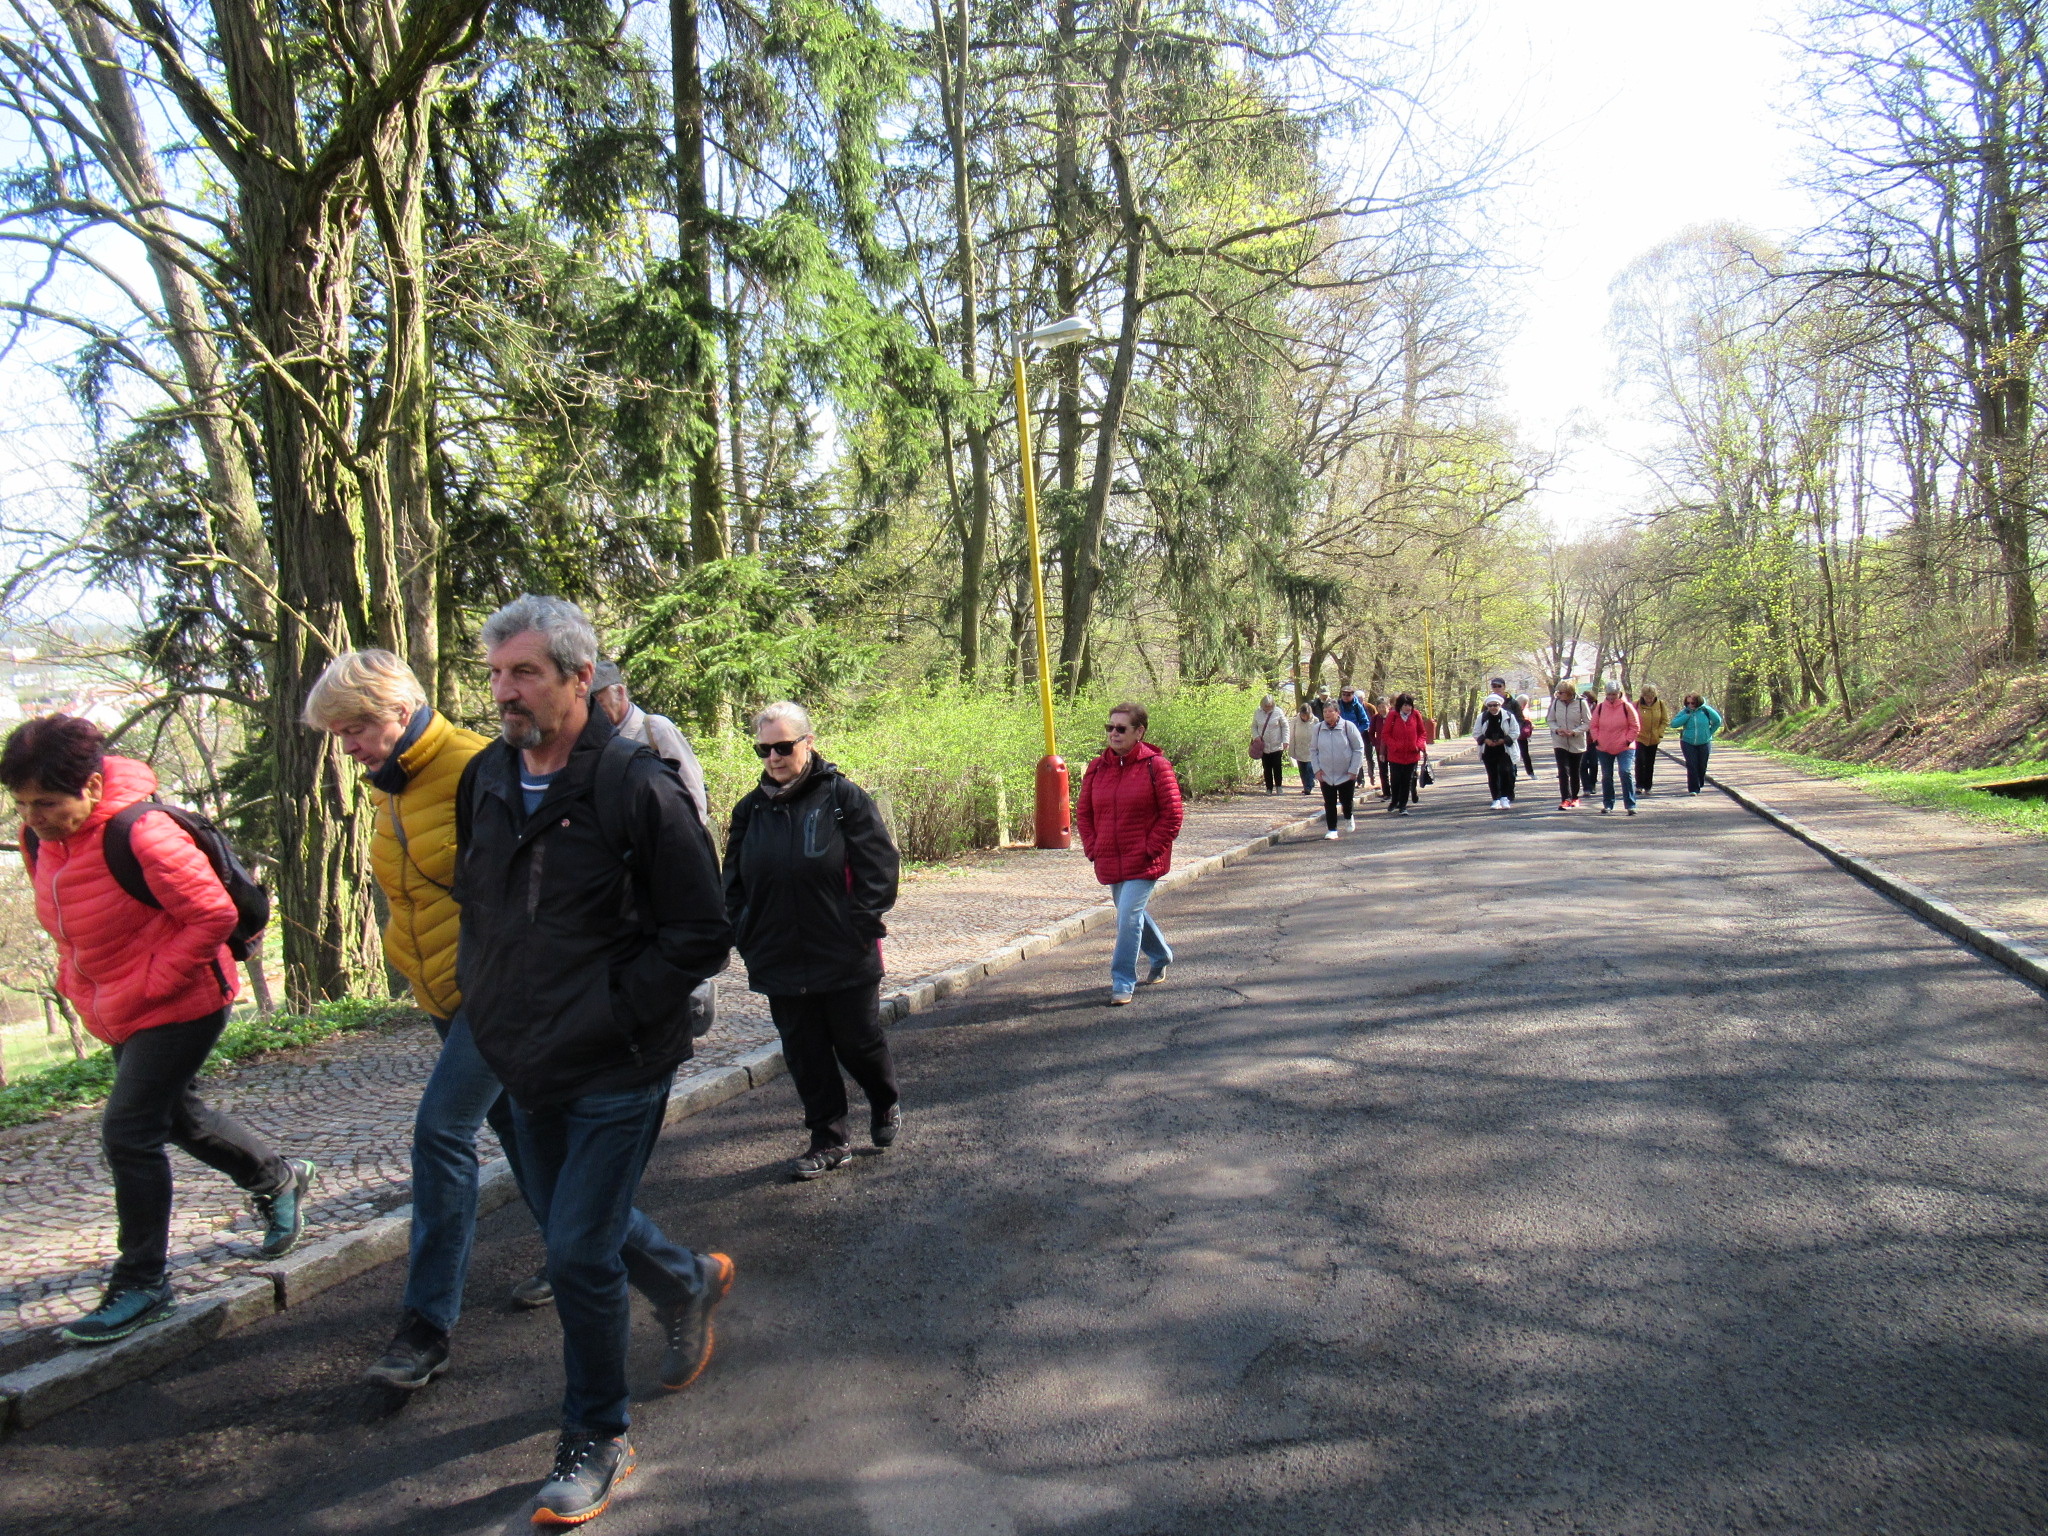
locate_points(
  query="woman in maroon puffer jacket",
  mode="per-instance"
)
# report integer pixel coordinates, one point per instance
(155, 983)
(1129, 814)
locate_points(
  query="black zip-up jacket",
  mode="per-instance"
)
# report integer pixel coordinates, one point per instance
(579, 949)
(804, 925)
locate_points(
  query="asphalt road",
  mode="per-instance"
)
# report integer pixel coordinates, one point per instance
(1481, 1173)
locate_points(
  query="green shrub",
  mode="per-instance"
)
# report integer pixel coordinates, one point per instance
(958, 771)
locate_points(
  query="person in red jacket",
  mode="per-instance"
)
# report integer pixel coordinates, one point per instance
(1407, 736)
(155, 983)
(1128, 816)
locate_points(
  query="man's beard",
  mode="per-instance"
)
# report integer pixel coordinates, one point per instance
(519, 729)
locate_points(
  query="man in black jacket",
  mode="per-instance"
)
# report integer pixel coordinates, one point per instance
(590, 909)
(810, 870)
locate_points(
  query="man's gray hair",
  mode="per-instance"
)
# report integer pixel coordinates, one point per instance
(572, 641)
(795, 714)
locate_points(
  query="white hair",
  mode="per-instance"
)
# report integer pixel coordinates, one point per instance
(795, 714)
(571, 639)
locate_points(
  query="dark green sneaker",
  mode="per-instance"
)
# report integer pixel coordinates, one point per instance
(121, 1311)
(283, 1211)
(588, 1470)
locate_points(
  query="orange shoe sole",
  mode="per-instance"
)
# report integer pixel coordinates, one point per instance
(720, 1285)
(549, 1517)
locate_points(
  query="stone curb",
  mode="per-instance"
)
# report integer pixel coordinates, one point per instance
(34, 1393)
(2017, 956)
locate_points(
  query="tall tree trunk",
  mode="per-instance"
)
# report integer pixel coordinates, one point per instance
(1087, 558)
(956, 63)
(708, 539)
(1068, 215)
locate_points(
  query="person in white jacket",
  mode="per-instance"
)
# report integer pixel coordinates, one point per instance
(1271, 735)
(1571, 717)
(1339, 757)
(1301, 746)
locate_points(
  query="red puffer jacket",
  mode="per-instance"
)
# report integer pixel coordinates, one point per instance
(1129, 814)
(1405, 739)
(127, 966)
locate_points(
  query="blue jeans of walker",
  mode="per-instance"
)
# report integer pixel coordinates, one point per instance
(583, 1163)
(460, 1095)
(1135, 930)
(1620, 764)
(1696, 754)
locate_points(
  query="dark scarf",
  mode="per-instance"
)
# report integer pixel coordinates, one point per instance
(775, 791)
(392, 777)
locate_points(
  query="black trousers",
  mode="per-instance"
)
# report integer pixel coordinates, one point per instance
(1589, 770)
(1335, 795)
(1570, 772)
(1500, 771)
(1275, 775)
(1401, 776)
(823, 1032)
(1528, 768)
(152, 1103)
(1696, 753)
(1646, 766)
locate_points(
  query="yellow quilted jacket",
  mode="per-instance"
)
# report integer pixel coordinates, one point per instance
(1656, 720)
(419, 941)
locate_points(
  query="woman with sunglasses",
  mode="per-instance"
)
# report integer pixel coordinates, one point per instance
(810, 869)
(1128, 816)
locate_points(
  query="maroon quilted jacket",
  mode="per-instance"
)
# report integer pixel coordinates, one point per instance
(1129, 814)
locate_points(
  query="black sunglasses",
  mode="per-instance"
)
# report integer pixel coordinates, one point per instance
(779, 748)
(1116, 729)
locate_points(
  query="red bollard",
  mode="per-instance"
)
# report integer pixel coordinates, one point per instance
(1050, 816)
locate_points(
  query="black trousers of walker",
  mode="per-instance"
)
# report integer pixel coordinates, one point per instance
(1500, 771)
(1646, 767)
(1589, 768)
(823, 1032)
(1401, 781)
(1570, 769)
(152, 1103)
(1334, 797)
(1275, 774)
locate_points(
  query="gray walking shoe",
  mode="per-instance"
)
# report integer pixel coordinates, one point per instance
(121, 1311)
(536, 1290)
(587, 1472)
(283, 1210)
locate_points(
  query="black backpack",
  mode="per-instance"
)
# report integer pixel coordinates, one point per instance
(252, 902)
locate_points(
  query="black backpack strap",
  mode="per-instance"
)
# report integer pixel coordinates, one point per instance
(608, 792)
(118, 848)
(405, 843)
(29, 844)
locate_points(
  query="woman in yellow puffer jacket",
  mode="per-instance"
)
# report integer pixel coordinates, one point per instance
(1656, 718)
(414, 758)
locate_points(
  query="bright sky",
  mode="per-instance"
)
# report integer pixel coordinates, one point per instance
(1643, 118)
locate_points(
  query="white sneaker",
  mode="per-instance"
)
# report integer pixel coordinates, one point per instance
(1498, 804)
(1350, 823)
(1329, 837)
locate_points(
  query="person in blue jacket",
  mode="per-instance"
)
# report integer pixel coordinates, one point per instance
(1696, 724)
(1352, 707)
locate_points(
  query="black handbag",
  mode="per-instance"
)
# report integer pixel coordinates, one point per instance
(1425, 777)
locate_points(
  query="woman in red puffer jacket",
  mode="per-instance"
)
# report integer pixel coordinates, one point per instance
(1128, 816)
(155, 983)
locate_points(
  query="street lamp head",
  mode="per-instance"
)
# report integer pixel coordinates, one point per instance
(1061, 333)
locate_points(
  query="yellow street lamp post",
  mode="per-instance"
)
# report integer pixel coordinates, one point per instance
(1051, 813)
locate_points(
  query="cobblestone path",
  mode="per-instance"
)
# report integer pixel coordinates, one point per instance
(348, 1102)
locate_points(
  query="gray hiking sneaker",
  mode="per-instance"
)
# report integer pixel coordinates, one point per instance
(536, 1290)
(121, 1311)
(283, 1211)
(588, 1470)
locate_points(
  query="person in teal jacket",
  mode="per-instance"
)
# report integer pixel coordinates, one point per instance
(1696, 724)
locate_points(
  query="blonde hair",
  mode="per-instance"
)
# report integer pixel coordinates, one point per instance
(1569, 692)
(362, 685)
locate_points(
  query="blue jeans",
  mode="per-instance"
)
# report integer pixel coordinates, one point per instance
(583, 1163)
(1308, 776)
(1624, 764)
(461, 1095)
(1696, 754)
(1134, 930)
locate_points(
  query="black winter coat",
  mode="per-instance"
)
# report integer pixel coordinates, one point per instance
(804, 925)
(582, 937)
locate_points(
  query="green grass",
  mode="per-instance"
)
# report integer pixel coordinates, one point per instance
(71, 1083)
(1942, 791)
